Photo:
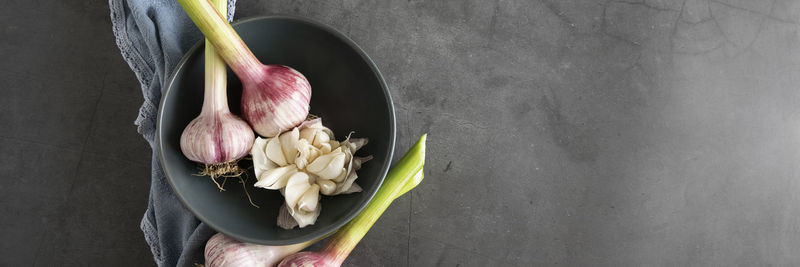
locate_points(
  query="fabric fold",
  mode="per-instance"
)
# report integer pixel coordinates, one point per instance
(153, 36)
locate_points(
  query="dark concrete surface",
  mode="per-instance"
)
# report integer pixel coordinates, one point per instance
(577, 133)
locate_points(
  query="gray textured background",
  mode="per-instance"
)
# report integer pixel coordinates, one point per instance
(561, 132)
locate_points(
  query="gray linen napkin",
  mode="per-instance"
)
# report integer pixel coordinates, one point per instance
(153, 35)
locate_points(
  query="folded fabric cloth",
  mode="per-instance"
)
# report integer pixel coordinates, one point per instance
(153, 35)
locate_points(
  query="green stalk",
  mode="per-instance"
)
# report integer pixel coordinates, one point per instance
(411, 183)
(406, 174)
(215, 76)
(281, 252)
(220, 33)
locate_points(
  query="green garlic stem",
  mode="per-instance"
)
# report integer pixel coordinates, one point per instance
(215, 98)
(402, 177)
(220, 33)
(411, 183)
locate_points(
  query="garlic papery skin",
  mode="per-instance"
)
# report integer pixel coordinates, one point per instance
(223, 251)
(275, 98)
(303, 163)
(308, 259)
(217, 137)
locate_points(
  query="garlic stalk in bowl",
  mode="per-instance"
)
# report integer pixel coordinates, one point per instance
(303, 163)
(216, 138)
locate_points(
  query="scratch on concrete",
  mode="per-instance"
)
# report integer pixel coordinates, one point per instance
(642, 3)
(674, 31)
(767, 16)
(493, 22)
(759, 29)
(560, 14)
(604, 26)
(716, 23)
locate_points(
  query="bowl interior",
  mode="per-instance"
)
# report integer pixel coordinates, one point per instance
(349, 94)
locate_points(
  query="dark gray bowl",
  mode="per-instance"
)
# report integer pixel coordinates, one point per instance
(348, 92)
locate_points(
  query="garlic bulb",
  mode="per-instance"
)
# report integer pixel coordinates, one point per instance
(275, 98)
(223, 251)
(216, 138)
(303, 163)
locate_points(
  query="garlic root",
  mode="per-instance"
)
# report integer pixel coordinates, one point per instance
(225, 170)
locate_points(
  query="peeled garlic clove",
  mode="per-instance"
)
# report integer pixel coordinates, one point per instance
(288, 142)
(308, 133)
(306, 153)
(328, 170)
(341, 176)
(272, 175)
(258, 148)
(328, 132)
(302, 162)
(308, 202)
(303, 210)
(348, 157)
(289, 217)
(321, 138)
(275, 178)
(334, 144)
(325, 148)
(275, 152)
(260, 161)
(326, 187)
(314, 155)
(305, 218)
(320, 163)
(295, 188)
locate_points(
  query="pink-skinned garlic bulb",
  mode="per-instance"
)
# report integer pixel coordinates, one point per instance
(223, 251)
(217, 138)
(275, 98)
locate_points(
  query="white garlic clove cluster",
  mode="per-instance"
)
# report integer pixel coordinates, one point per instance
(303, 163)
